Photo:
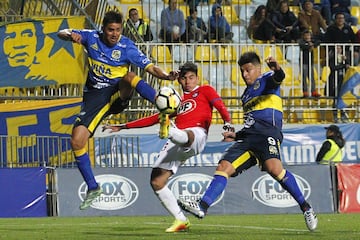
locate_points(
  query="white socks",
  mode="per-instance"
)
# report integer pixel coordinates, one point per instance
(169, 201)
(178, 136)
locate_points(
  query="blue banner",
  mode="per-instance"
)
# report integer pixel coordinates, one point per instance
(300, 146)
(23, 192)
(350, 88)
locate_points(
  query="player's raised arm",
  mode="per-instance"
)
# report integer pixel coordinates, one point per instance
(69, 35)
(158, 72)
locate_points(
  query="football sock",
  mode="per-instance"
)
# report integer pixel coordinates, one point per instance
(144, 89)
(214, 190)
(169, 201)
(178, 136)
(83, 163)
(289, 183)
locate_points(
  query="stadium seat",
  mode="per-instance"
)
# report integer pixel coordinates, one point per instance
(237, 117)
(129, 1)
(311, 116)
(248, 48)
(235, 76)
(295, 10)
(230, 14)
(226, 53)
(355, 12)
(229, 96)
(204, 53)
(161, 53)
(216, 118)
(276, 52)
(241, 2)
(325, 72)
(185, 10)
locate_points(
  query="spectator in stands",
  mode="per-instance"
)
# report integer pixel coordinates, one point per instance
(219, 27)
(343, 6)
(287, 23)
(137, 26)
(338, 64)
(311, 20)
(340, 32)
(172, 23)
(307, 44)
(108, 88)
(324, 7)
(260, 26)
(330, 151)
(196, 30)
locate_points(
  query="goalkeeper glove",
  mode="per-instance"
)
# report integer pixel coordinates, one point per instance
(228, 127)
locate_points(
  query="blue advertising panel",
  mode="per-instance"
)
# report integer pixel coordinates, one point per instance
(23, 192)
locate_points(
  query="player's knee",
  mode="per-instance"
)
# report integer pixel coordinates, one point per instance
(129, 77)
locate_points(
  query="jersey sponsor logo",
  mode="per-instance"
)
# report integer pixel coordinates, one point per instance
(118, 192)
(269, 192)
(358, 195)
(191, 186)
(186, 106)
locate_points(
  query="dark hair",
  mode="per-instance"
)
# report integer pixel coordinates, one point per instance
(192, 10)
(339, 13)
(188, 67)
(112, 17)
(132, 9)
(249, 57)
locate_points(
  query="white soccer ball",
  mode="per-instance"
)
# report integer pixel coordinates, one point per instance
(167, 100)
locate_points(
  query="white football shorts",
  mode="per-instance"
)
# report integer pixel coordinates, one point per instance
(172, 156)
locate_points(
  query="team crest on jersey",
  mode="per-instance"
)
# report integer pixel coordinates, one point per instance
(195, 94)
(94, 46)
(273, 150)
(115, 54)
(257, 84)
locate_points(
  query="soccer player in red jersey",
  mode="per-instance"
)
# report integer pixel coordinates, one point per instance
(187, 137)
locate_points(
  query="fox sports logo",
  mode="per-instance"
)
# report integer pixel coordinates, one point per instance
(268, 191)
(118, 192)
(191, 187)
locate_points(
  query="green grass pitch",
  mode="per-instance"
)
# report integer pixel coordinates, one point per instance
(219, 227)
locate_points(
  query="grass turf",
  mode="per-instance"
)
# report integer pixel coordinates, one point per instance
(285, 226)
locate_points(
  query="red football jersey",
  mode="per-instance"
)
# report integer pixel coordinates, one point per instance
(196, 108)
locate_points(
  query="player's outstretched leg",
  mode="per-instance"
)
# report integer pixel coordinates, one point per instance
(179, 226)
(91, 195)
(164, 125)
(192, 207)
(310, 219)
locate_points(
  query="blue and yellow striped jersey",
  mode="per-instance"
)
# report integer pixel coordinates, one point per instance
(262, 102)
(108, 64)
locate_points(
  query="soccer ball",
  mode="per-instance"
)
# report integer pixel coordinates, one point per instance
(167, 100)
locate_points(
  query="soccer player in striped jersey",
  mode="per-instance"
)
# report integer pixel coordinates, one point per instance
(259, 140)
(109, 86)
(186, 138)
